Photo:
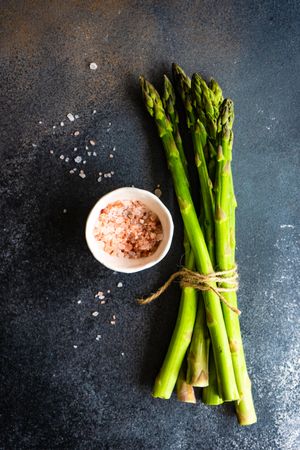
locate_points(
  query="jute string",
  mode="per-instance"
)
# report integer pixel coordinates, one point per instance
(189, 278)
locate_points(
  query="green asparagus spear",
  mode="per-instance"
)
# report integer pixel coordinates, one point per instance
(214, 316)
(225, 248)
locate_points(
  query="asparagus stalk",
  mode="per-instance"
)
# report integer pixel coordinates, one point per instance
(168, 100)
(214, 314)
(185, 392)
(225, 253)
(168, 374)
(197, 372)
(199, 137)
(198, 354)
(210, 394)
(181, 338)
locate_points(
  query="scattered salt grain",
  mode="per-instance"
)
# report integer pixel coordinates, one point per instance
(78, 159)
(93, 66)
(94, 153)
(108, 291)
(157, 192)
(76, 133)
(76, 116)
(102, 302)
(40, 122)
(98, 337)
(114, 149)
(111, 155)
(62, 124)
(120, 284)
(92, 142)
(99, 179)
(83, 162)
(64, 211)
(75, 149)
(112, 172)
(122, 354)
(51, 151)
(95, 314)
(62, 157)
(94, 111)
(70, 117)
(114, 317)
(113, 322)
(34, 145)
(75, 346)
(67, 159)
(86, 147)
(54, 126)
(89, 153)
(71, 171)
(79, 302)
(82, 174)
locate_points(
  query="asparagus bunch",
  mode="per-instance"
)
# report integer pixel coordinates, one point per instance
(209, 245)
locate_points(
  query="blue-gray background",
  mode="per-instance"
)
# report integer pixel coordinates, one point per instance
(97, 396)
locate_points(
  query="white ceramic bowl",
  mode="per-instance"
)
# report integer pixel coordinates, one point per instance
(128, 265)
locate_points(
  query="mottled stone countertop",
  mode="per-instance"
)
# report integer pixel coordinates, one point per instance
(70, 379)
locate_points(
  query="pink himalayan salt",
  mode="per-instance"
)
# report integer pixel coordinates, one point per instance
(129, 229)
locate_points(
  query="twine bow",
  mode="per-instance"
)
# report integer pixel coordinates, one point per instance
(189, 278)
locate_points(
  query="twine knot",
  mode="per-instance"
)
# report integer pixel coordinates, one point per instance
(214, 281)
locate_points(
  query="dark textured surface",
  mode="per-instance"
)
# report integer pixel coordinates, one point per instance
(97, 396)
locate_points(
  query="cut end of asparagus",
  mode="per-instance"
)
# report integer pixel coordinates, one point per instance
(202, 380)
(185, 392)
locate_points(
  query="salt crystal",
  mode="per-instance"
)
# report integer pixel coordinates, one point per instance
(122, 354)
(75, 346)
(111, 155)
(86, 147)
(62, 157)
(112, 172)
(70, 117)
(64, 211)
(34, 145)
(62, 124)
(76, 116)
(78, 159)
(83, 162)
(67, 159)
(54, 126)
(51, 151)
(158, 192)
(109, 124)
(120, 284)
(93, 66)
(114, 149)
(75, 149)
(98, 337)
(95, 314)
(94, 153)
(76, 133)
(114, 317)
(71, 171)
(92, 142)
(108, 291)
(102, 302)
(40, 122)
(99, 179)
(113, 322)
(100, 173)
(89, 153)
(82, 174)
(79, 302)
(94, 111)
